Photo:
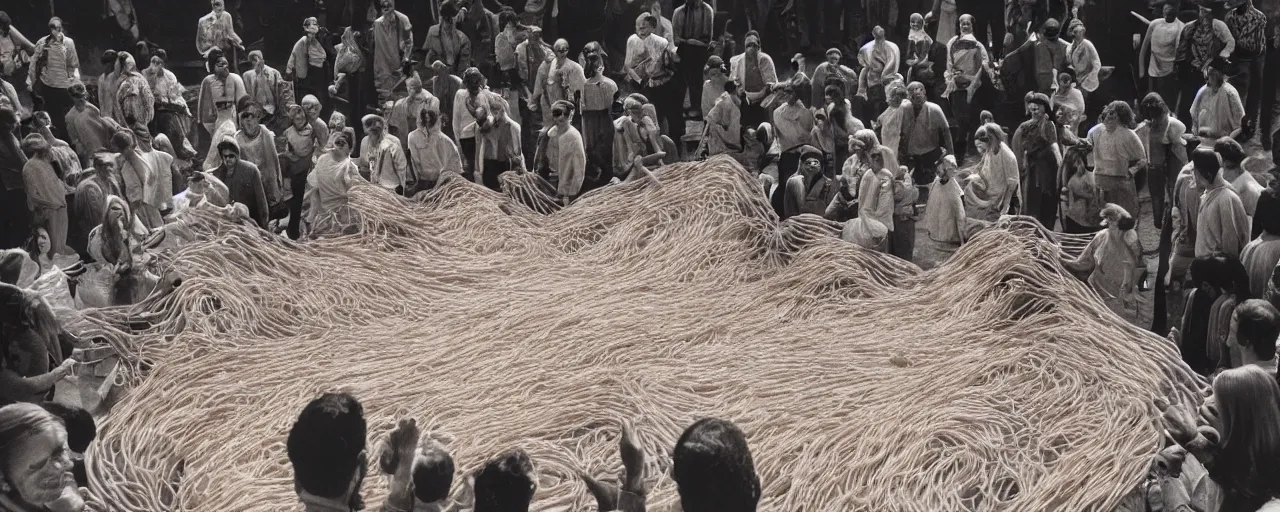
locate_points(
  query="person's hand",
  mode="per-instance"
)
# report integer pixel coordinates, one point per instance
(1175, 336)
(1168, 463)
(1180, 424)
(928, 16)
(402, 443)
(66, 369)
(632, 461)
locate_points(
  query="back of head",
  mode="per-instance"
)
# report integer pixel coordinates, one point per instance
(713, 468)
(505, 483)
(1258, 327)
(81, 428)
(19, 422)
(1248, 401)
(1231, 151)
(1206, 163)
(432, 475)
(325, 444)
(34, 145)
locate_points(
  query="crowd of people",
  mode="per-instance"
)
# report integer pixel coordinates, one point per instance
(953, 122)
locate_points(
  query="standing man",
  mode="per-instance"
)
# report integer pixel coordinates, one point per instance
(216, 30)
(55, 66)
(243, 181)
(692, 25)
(755, 71)
(650, 65)
(1159, 48)
(1249, 27)
(392, 44)
(306, 63)
(925, 135)
(446, 43)
(382, 157)
(1050, 57)
(1202, 40)
(263, 85)
(880, 59)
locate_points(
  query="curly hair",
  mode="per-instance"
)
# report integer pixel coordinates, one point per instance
(1124, 114)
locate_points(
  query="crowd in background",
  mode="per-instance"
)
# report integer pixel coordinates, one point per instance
(953, 117)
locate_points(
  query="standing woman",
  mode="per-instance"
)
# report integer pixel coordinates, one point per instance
(172, 117)
(1068, 101)
(1035, 143)
(563, 152)
(994, 190)
(258, 146)
(1113, 260)
(1084, 59)
(392, 44)
(46, 194)
(135, 103)
(1159, 49)
(304, 142)
(1118, 155)
(328, 187)
(967, 60)
(598, 96)
(1082, 214)
(1161, 133)
(216, 105)
(55, 66)
(431, 151)
(306, 63)
(108, 84)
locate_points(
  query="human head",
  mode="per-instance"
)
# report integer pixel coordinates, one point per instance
(1206, 13)
(1257, 328)
(248, 118)
(896, 91)
(8, 119)
(158, 58)
(1153, 107)
(917, 22)
(298, 116)
(386, 6)
(1075, 29)
(5, 23)
(311, 26)
(337, 121)
(878, 33)
(38, 243)
(645, 24)
(752, 42)
(833, 56)
(810, 160)
(429, 119)
(448, 11)
(1066, 80)
(1231, 152)
(561, 48)
(1038, 105)
(988, 137)
(1215, 74)
(1206, 164)
(311, 105)
(256, 60)
(326, 447)
(414, 85)
(432, 474)
(505, 484)
(1052, 29)
(56, 29)
(217, 63)
(966, 24)
(374, 124)
(217, 5)
(562, 112)
(108, 59)
(79, 93)
(473, 79)
(949, 167)
(508, 20)
(1116, 217)
(1170, 10)
(104, 162)
(1117, 114)
(916, 93)
(229, 151)
(713, 468)
(35, 461)
(125, 62)
(1247, 400)
(34, 146)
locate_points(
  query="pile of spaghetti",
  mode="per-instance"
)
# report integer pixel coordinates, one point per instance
(995, 382)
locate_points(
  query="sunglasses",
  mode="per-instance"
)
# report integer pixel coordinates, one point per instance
(557, 113)
(340, 143)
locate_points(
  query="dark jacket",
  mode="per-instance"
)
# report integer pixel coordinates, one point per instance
(244, 184)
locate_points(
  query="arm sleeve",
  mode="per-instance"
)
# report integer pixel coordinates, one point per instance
(1224, 33)
(400, 163)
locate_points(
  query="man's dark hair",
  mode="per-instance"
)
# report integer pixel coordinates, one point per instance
(325, 443)
(1230, 150)
(81, 428)
(505, 483)
(1257, 327)
(448, 10)
(432, 476)
(1206, 163)
(108, 58)
(713, 468)
(649, 19)
(228, 145)
(507, 17)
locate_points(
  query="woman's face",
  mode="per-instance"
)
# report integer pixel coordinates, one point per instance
(966, 25)
(917, 23)
(1036, 110)
(1110, 120)
(40, 468)
(42, 241)
(247, 122)
(217, 5)
(340, 147)
(157, 63)
(130, 64)
(1077, 32)
(1213, 77)
(981, 143)
(116, 209)
(222, 68)
(299, 119)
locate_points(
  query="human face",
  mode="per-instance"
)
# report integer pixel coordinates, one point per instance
(878, 33)
(1077, 32)
(753, 47)
(1036, 110)
(299, 119)
(229, 158)
(42, 241)
(217, 5)
(831, 99)
(1170, 12)
(311, 27)
(636, 111)
(917, 23)
(1110, 120)
(340, 147)
(157, 63)
(560, 116)
(374, 128)
(917, 95)
(643, 29)
(1206, 14)
(222, 68)
(130, 64)
(833, 59)
(415, 87)
(1213, 77)
(312, 109)
(980, 141)
(812, 166)
(40, 468)
(6, 103)
(966, 25)
(55, 28)
(561, 48)
(255, 60)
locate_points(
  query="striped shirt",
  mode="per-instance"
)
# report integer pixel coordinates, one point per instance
(1249, 28)
(693, 25)
(61, 64)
